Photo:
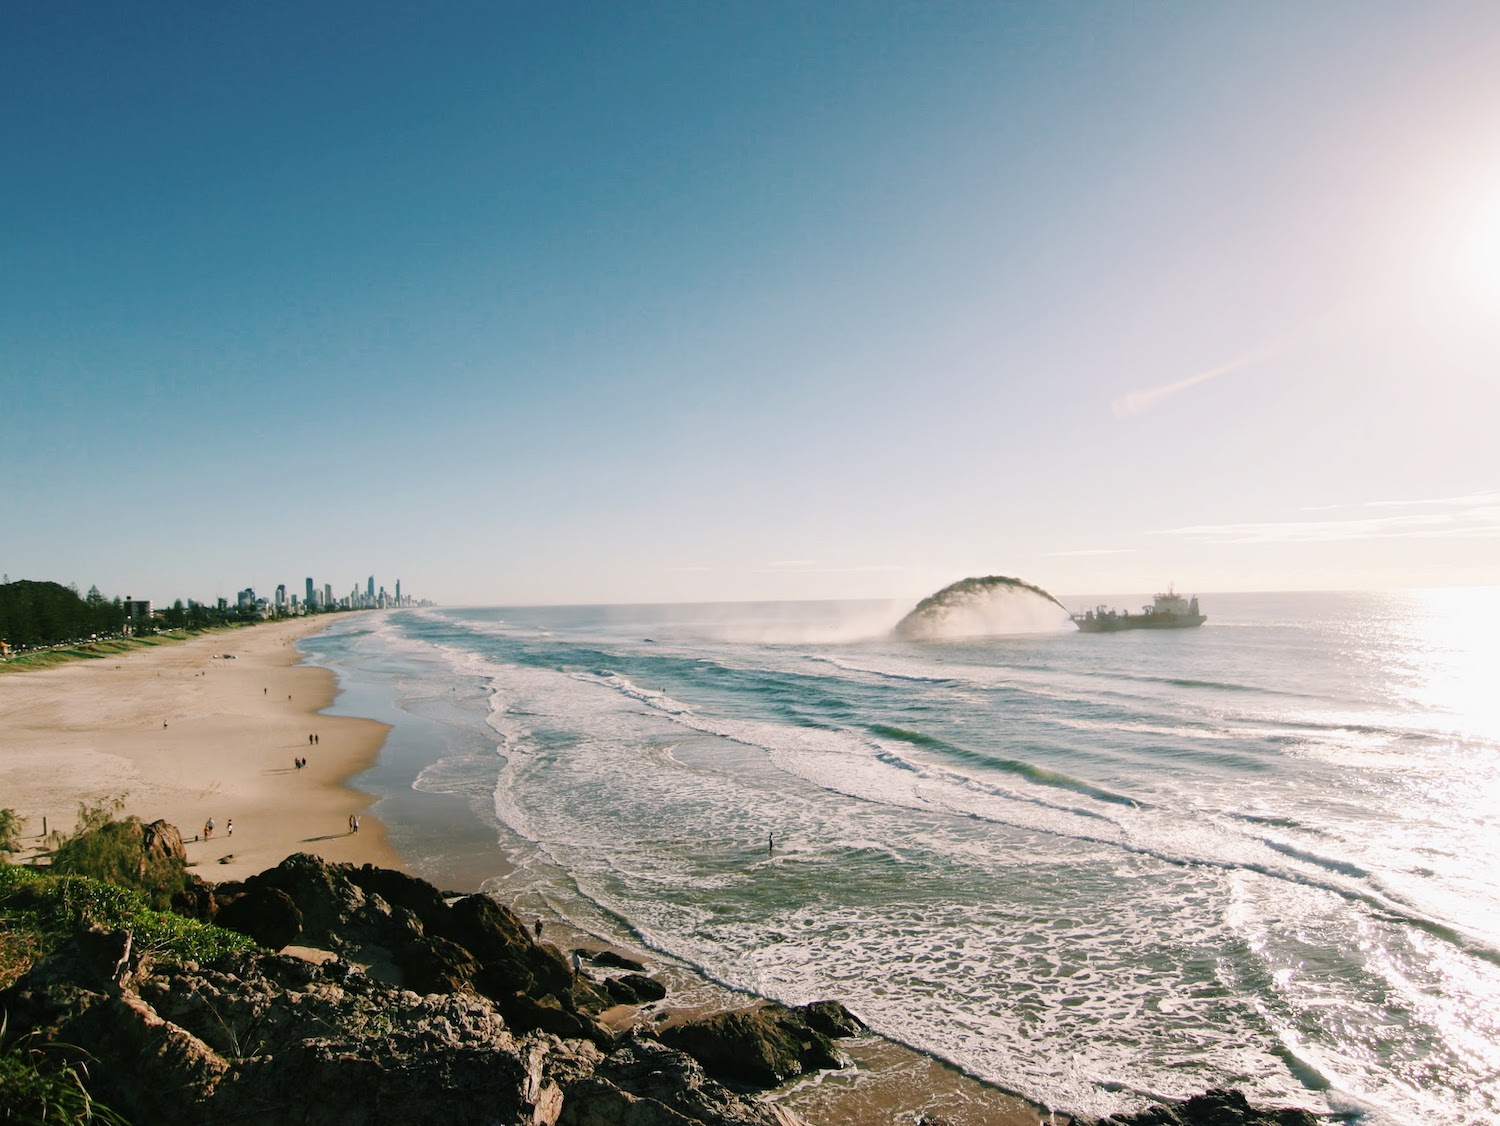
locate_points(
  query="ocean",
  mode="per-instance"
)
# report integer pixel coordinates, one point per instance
(1087, 869)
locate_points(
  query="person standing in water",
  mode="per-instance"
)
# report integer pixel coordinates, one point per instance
(770, 844)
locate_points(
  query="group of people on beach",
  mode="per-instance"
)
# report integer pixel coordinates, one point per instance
(354, 822)
(208, 828)
(299, 762)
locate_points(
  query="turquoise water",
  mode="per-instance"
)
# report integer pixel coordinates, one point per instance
(1090, 869)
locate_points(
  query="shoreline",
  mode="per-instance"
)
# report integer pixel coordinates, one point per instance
(208, 727)
(184, 733)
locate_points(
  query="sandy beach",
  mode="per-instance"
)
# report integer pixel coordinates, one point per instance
(205, 728)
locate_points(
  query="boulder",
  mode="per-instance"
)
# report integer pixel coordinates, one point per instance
(332, 906)
(161, 843)
(831, 1019)
(400, 890)
(633, 989)
(513, 962)
(613, 959)
(760, 1047)
(1212, 1108)
(267, 914)
(643, 1083)
(435, 965)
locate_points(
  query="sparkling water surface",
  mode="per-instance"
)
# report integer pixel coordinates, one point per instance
(1090, 869)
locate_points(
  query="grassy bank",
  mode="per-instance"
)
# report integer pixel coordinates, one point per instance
(96, 650)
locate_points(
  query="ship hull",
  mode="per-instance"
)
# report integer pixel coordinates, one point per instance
(1119, 622)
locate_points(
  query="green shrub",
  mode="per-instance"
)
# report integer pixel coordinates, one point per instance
(10, 832)
(42, 1082)
(114, 851)
(59, 906)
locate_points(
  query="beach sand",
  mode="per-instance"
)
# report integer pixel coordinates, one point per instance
(207, 727)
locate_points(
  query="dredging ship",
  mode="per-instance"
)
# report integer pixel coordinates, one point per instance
(1168, 611)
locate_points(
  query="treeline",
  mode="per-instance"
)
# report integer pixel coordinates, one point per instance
(45, 613)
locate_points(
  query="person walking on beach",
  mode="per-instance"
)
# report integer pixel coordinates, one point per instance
(309, 740)
(351, 822)
(537, 929)
(229, 827)
(577, 964)
(208, 828)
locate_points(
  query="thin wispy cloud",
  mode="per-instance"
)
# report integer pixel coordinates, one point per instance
(1094, 551)
(1471, 517)
(810, 567)
(1148, 398)
(1469, 500)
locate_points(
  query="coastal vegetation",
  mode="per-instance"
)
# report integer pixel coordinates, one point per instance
(35, 613)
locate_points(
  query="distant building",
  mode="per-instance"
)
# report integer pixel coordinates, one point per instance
(281, 595)
(137, 609)
(328, 596)
(370, 589)
(312, 598)
(398, 592)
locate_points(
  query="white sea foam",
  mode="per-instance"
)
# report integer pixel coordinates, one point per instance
(958, 856)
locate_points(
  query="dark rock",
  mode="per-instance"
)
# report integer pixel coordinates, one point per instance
(266, 914)
(633, 989)
(400, 890)
(195, 899)
(647, 1084)
(330, 904)
(1213, 1108)
(761, 1047)
(435, 965)
(524, 1012)
(270, 1038)
(831, 1019)
(512, 961)
(615, 960)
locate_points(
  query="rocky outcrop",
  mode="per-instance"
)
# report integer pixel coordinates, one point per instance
(648, 1084)
(274, 1038)
(412, 936)
(1213, 1108)
(766, 1045)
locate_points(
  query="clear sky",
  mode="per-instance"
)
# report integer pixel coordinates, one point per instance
(682, 301)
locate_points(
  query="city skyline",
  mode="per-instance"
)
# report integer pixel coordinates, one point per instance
(734, 303)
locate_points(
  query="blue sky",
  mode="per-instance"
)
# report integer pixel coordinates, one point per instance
(536, 303)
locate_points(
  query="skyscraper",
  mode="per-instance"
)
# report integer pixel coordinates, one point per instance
(311, 597)
(370, 589)
(398, 592)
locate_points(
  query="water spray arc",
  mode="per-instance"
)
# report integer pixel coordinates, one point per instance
(981, 606)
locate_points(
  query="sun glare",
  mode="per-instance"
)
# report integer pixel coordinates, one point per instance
(1481, 252)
